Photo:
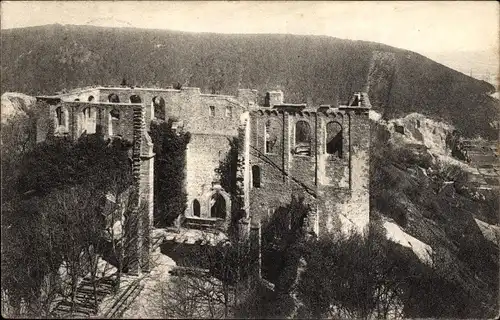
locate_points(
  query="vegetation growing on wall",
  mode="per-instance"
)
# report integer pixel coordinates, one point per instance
(282, 237)
(62, 163)
(170, 163)
(232, 184)
(227, 171)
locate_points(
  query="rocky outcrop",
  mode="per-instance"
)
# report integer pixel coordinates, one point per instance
(424, 135)
(14, 103)
(428, 204)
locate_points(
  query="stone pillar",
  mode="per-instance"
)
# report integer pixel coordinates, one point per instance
(146, 197)
(255, 249)
(134, 220)
(46, 123)
(71, 120)
(287, 140)
(132, 241)
(243, 173)
(243, 229)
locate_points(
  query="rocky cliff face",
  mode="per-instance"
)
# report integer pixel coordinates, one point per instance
(426, 202)
(14, 103)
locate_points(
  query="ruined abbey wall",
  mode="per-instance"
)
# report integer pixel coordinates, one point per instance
(321, 154)
(204, 154)
(350, 203)
(212, 121)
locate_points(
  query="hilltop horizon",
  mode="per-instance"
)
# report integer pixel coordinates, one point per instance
(319, 69)
(483, 64)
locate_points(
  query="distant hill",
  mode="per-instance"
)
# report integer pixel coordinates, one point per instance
(318, 69)
(480, 64)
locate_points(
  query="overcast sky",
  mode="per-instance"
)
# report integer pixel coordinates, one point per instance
(424, 27)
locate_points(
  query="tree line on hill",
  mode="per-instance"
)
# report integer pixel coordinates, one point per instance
(318, 69)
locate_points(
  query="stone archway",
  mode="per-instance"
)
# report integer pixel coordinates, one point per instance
(217, 204)
(196, 208)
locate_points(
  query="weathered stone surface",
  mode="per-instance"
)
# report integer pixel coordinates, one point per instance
(283, 149)
(335, 185)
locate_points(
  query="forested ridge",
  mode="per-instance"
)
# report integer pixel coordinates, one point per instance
(317, 69)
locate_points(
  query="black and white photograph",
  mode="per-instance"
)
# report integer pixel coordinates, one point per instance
(250, 159)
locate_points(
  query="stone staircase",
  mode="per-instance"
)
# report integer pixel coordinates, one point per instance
(123, 299)
(84, 304)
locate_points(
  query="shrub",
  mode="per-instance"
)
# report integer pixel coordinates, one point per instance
(409, 157)
(61, 163)
(56, 214)
(451, 172)
(355, 277)
(281, 242)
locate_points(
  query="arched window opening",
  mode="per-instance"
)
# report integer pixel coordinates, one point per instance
(334, 140)
(211, 111)
(135, 99)
(86, 113)
(77, 99)
(272, 136)
(114, 120)
(196, 208)
(159, 107)
(59, 116)
(218, 206)
(115, 114)
(89, 120)
(229, 112)
(113, 98)
(91, 98)
(86, 118)
(256, 176)
(303, 138)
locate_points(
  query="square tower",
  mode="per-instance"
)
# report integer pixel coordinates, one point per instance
(321, 153)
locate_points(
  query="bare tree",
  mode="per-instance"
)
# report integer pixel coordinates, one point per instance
(351, 277)
(74, 215)
(214, 292)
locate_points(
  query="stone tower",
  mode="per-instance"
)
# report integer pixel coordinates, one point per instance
(321, 153)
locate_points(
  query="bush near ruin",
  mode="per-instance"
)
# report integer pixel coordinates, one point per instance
(55, 214)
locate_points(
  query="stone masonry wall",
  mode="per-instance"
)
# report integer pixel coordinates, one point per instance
(335, 186)
(204, 154)
(100, 119)
(130, 124)
(281, 174)
(189, 105)
(355, 211)
(211, 120)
